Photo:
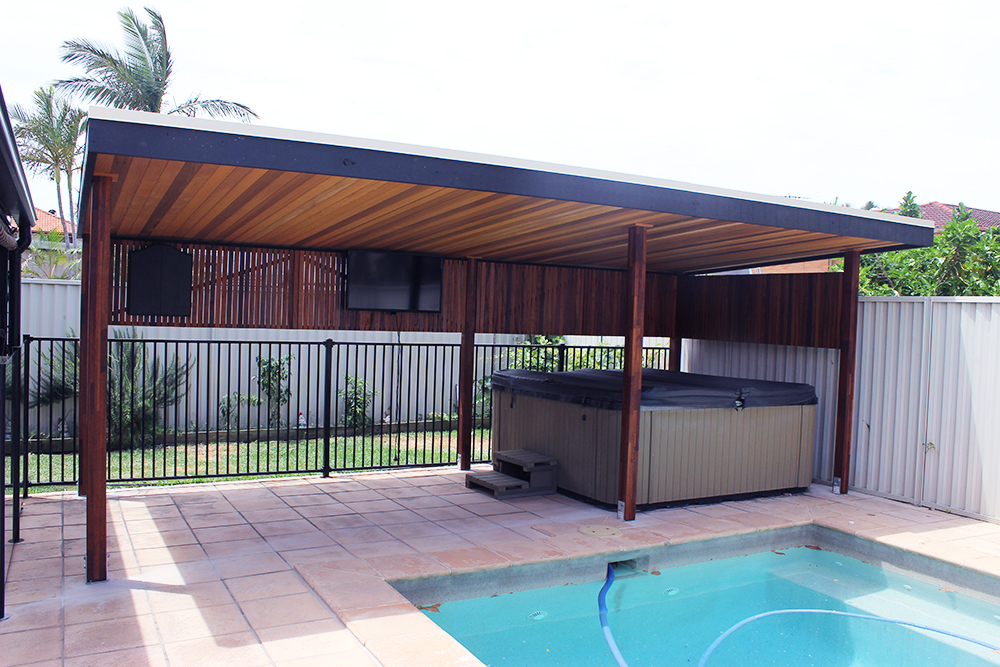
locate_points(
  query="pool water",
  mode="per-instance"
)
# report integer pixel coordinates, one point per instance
(670, 618)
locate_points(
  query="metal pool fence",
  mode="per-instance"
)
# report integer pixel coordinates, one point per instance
(202, 409)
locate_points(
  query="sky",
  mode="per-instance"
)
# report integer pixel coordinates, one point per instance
(837, 102)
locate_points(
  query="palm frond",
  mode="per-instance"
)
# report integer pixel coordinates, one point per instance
(214, 109)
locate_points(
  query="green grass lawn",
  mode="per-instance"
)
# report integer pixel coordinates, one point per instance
(203, 462)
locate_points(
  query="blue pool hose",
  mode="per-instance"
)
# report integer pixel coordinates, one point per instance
(602, 607)
(722, 637)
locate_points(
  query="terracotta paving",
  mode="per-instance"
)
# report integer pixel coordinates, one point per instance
(294, 571)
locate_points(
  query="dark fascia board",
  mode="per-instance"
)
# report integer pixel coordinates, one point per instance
(14, 193)
(156, 136)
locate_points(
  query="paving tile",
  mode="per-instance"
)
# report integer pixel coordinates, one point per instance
(306, 540)
(407, 566)
(261, 586)
(111, 635)
(106, 601)
(423, 502)
(216, 520)
(470, 560)
(283, 513)
(381, 548)
(238, 650)
(356, 657)
(396, 517)
(445, 513)
(415, 530)
(305, 640)
(172, 598)
(229, 568)
(436, 649)
(22, 569)
(348, 536)
(168, 538)
(285, 610)
(201, 622)
(287, 527)
(180, 574)
(332, 508)
(33, 590)
(248, 547)
(31, 646)
(357, 496)
(315, 555)
(428, 544)
(369, 506)
(527, 551)
(335, 523)
(162, 555)
(32, 616)
(308, 499)
(225, 533)
(397, 620)
(147, 656)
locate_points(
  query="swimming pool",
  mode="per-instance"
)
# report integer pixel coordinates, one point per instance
(671, 616)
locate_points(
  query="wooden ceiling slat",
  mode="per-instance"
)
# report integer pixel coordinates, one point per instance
(222, 204)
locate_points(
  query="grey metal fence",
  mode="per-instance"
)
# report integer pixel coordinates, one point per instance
(200, 409)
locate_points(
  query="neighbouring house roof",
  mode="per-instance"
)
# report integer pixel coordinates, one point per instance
(941, 214)
(207, 181)
(46, 221)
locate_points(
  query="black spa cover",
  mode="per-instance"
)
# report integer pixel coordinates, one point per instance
(661, 390)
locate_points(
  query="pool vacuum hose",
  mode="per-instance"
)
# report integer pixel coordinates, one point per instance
(602, 607)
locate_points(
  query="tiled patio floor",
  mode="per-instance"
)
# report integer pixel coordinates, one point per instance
(293, 571)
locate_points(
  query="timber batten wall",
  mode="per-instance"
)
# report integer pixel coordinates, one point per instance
(282, 288)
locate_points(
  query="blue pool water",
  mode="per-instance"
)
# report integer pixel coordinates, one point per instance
(670, 618)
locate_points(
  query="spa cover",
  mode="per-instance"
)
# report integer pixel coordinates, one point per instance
(661, 390)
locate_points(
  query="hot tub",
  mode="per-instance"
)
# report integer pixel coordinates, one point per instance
(700, 436)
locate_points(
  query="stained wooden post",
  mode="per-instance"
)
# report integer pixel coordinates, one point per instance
(845, 384)
(94, 376)
(83, 431)
(632, 387)
(467, 359)
(674, 354)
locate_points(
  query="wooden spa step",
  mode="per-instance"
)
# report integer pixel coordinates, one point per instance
(516, 473)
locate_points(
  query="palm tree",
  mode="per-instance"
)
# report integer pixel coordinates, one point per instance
(48, 140)
(138, 77)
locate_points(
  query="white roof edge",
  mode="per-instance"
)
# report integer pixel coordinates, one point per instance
(244, 129)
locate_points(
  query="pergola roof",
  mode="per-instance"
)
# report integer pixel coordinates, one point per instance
(196, 180)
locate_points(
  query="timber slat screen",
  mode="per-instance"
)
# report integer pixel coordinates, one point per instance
(197, 409)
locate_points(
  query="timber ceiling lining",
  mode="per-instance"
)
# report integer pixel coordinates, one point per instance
(219, 204)
(390, 201)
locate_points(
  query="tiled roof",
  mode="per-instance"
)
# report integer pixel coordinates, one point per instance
(941, 214)
(46, 221)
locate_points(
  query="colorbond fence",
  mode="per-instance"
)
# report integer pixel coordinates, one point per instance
(198, 409)
(926, 424)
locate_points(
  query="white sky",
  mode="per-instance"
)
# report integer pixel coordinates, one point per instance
(853, 100)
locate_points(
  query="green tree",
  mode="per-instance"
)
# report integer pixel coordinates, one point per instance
(138, 77)
(272, 378)
(963, 261)
(50, 258)
(909, 207)
(48, 138)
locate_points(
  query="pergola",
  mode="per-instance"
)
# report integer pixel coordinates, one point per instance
(268, 214)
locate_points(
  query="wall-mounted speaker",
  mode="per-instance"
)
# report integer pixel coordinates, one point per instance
(159, 282)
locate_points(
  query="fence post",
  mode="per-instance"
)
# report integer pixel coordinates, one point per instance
(562, 358)
(15, 452)
(327, 404)
(16, 398)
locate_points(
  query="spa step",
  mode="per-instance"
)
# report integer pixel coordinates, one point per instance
(516, 473)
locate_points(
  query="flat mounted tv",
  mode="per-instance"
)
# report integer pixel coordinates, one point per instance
(393, 281)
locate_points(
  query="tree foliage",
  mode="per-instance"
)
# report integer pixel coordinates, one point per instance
(138, 77)
(48, 139)
(50, 258)
(964, 261)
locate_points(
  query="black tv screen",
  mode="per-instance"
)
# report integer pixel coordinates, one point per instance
(396, 281)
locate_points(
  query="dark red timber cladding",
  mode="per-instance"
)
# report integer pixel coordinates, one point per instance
(276, 288)
(787, 309)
